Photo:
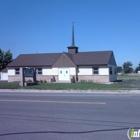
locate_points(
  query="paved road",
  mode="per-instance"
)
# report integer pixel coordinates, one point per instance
(59, 116)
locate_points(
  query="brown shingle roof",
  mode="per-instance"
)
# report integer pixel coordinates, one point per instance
(92, 58)
(32, 60)
(70, 57)
(48, 59)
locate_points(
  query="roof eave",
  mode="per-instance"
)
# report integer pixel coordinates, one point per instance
(36, 66)
(92, 64)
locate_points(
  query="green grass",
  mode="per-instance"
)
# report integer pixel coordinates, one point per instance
(76, 86)
(67, 86)
(12, 85)
(128, 78)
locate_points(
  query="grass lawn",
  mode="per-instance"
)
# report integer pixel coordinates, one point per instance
(12, 85)
(79, 86)
(67, 86)
(128, 78)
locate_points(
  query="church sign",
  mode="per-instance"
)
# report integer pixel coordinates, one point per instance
(28, 72)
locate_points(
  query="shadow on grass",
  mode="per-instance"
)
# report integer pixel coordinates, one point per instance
(119, 81)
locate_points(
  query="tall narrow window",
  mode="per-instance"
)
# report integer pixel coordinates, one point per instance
(95, 70)
(110, 70)
(17, 71)
(39, 70)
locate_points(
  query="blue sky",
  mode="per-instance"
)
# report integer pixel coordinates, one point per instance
(44, 26)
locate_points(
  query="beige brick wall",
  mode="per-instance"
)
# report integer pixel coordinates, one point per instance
(38, 77)
(94, 78)
(13, 78)
(43, 77)
(47, 77)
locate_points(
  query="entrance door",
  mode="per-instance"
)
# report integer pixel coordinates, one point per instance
(64, 75)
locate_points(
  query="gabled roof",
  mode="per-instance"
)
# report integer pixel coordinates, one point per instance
(64, 60)
(35, 60)
(48, 59)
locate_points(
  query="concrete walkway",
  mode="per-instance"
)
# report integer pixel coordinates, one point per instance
(73, 91)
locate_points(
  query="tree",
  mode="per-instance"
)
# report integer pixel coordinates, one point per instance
(5, 58)
(137, 69)
(127, 67)
(119, 69)
(1, 58)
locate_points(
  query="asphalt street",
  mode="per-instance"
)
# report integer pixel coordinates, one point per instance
(67, 116)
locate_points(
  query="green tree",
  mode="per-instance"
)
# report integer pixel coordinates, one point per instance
(1, 58)
(127, 67)
(137, 69)
(119, 69)
(5, 58)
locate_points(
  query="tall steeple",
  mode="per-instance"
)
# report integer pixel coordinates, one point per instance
(73, 49)
(73, 42)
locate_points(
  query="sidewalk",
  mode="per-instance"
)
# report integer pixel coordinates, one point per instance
(74, 91)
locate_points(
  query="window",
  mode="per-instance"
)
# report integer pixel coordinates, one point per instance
(17, 71)
(95, 70)
(110, 70)
(39, 70)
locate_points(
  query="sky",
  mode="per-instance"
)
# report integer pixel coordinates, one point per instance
(45, 26)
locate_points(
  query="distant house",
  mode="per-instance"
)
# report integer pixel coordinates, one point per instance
(99, 66)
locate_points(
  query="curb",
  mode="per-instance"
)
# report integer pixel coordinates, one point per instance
(74, 91)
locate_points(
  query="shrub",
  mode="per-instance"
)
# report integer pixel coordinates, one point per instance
(90, 81)
(29, 81)
(83, 81)
(41, 81)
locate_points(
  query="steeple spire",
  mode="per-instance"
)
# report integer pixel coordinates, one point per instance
(73, 42)
(72, 49)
